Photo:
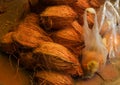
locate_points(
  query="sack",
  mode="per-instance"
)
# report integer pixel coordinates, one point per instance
(110, 16)
(95, 53)
(92, 38)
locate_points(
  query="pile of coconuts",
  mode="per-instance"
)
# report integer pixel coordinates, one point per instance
(49, 40)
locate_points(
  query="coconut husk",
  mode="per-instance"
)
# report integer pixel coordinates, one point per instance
(29, 35)
(57, 17)
(53, 56)
(70, 38)
(96, 3)
(33, 2)
(57, 2)
(7, 44)
(90, 19)
(80, 5)
(32, 18)
(52, 78)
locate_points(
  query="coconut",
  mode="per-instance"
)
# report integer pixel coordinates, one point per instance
(81, 4)
(70, 38)
(57, 17)
(7, 44)
(90, 19)
(52, 78)
(57, 2)
(79, 8)
(32, 18)
(29, 35)
(53, 56)
(96, 3)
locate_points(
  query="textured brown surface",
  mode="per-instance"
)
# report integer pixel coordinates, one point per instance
(54, 56)
(57, 17)
(10, 13)
(53, 78)
(9, 73)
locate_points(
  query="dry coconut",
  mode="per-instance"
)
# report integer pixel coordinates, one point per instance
(96, 3)
(6, 43)
(52, 78)
(53, 56)
(70, 38)
(29, 35)
(90, 19)
(32, 18)
(57, 2)
(81, 4)
(57, 17)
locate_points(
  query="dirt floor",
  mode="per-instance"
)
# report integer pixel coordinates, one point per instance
(10, 14)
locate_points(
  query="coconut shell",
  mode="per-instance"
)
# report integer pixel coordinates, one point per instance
(7, 44)
(53, 56)
(70, 38)
(29, 35)
(52, 78)
(57, 17)
(57, 2)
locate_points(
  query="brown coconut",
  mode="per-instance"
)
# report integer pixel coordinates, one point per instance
(70, 38)
(29, 35)
(96, 3)
(52, 78)
(79, 8)
(32, 18)
(57, 17)
(80, 5)
(53, 56)
(90, 19)
(7, 44)
(57, 2)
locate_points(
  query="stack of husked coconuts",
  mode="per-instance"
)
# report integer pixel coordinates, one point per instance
(49, 41)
